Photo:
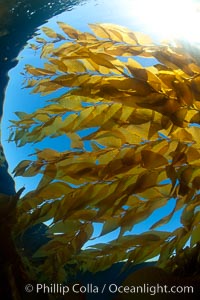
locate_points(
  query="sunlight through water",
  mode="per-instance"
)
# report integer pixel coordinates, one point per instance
(172, 19)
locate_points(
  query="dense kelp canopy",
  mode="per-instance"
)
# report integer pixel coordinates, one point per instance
(141, 147)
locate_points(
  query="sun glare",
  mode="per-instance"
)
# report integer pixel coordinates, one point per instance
(167, 19)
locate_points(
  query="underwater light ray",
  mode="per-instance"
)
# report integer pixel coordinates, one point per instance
(171, 20)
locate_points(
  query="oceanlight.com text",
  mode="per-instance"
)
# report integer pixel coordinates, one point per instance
(57, 288)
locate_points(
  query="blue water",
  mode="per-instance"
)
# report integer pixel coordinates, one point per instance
(17, 99)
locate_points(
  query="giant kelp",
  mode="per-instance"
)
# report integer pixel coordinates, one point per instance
(143, 149)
